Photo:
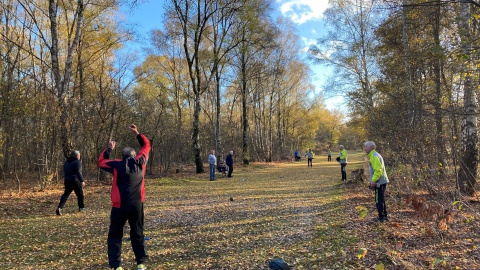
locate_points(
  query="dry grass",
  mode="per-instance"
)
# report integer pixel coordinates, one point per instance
(303, 215)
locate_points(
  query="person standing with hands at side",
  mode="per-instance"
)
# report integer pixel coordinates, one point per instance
(343, 162)
(212, 161)
(128, 196)
(309, 156)
(73, 181)
(378, 179)
(229, 162)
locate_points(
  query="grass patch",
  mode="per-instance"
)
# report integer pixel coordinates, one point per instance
(264, 211)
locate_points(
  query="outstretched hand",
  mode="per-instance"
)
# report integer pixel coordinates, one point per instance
(111, 145)
(133, 128)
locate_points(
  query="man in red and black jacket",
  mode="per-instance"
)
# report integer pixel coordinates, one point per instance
(128, 195)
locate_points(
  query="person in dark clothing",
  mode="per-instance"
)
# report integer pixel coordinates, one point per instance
(73, 181)
(229, 162)
(128, 196)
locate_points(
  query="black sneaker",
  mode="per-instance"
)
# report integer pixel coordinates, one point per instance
(59, 211)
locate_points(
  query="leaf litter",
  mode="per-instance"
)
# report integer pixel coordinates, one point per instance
(284, 210)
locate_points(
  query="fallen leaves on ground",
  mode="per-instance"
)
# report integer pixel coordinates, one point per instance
(303, 215)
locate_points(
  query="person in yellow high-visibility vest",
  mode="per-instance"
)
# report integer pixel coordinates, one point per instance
(342, 159)
(378, 179)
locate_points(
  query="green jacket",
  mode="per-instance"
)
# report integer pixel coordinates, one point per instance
(343, 156)
(378, 174)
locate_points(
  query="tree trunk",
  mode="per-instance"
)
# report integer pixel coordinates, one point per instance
(62, 83)
(245, 125)
(196, 134)
(437, 64)
(469, 162)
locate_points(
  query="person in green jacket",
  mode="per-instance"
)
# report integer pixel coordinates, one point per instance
(342, 159)
(378, 179)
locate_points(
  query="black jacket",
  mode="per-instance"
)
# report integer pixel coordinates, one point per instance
(229, 160)
(73, 169)
(128, 185)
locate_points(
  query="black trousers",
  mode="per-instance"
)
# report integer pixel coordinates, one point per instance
(230, 170)
(329, 158)
(344, 171)
(118, 217)
(380, 201)
(309, 162)
(70, 186)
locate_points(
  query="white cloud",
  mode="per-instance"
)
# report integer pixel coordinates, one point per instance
(308, 42)
(301, 11)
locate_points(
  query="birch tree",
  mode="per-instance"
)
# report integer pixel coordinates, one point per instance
(469, 160)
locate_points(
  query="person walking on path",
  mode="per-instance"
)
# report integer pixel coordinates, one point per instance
(229, 162)
(329, 155)
(212, 161)
(73, 181)
(343, 162)
(309, 155)
(378, 179)
(128, 196)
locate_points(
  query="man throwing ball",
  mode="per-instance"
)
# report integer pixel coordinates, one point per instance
(127, 195)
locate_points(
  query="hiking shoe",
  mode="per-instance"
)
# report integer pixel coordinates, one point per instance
(141, 267)
(58, 211)
(82, 209)
(118, 268)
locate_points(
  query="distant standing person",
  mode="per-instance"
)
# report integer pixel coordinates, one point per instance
(329, 155)
(212, 161)
(229, 162)
(343, 162)
(297, 155)
(128, 196)
(378, 179)
(73, 181)
(309, 155)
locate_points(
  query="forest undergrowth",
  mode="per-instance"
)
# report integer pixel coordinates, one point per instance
(305, 216)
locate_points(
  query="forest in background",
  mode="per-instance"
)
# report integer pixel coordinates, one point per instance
(224, 75)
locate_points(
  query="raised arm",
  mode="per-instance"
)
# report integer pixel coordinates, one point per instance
(104, 158)
(145, 147)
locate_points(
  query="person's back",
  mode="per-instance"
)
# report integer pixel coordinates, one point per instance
(130, 180)
(128, 185)
(127, 195)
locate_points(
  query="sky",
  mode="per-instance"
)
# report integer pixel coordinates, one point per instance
(307, 15)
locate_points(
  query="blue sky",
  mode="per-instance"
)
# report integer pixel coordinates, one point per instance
(305, 14)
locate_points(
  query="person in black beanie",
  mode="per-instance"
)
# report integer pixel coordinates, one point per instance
(73, 181)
